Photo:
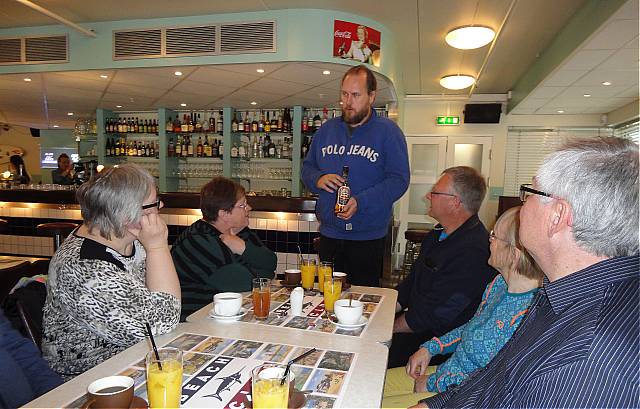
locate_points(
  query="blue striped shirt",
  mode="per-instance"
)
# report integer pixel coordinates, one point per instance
(577, 347)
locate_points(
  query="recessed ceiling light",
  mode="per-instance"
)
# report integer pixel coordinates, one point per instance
(326, 72)
(606, 83)
(27, 79)
(177, 73)
(457, 81)
(254, 103)
(104, 76)
(55, 126)
(586, 95)
(260, 70)
(118, 106)
(70, 113)
(470, 37)
(560, 111)
(183, 104)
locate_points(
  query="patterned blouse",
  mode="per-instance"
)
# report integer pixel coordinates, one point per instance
(97, 305)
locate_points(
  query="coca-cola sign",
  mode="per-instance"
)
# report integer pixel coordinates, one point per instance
(356, 42)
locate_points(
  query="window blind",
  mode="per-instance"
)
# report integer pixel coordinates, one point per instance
(629, 131)
(527, 146)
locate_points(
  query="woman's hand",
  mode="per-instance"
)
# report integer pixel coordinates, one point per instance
(235, 243)
(420, 384)
(152, 232)
(417, 365)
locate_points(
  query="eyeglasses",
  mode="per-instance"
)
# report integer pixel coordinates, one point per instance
(526, 192)
(155, 204)
(492, 236)
(442, 194)
(242, 206)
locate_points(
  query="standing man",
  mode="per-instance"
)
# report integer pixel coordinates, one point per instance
(64, 174)
(578, 346)
(375, 151)
(446, 282)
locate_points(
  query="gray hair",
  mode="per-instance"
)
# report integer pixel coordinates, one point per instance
(469, 185)
(599, 178)
(113, 198)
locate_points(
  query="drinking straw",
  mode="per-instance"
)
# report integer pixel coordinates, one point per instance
(300, 252)
(153, 343)
(350, 299)
(293, 361)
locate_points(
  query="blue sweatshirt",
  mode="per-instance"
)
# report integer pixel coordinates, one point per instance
(376, 153)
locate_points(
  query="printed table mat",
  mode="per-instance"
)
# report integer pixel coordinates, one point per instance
(217, 372)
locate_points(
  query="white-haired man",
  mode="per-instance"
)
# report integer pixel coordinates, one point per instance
(578, 346)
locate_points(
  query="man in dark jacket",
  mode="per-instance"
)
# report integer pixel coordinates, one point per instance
(24, 375)
(447, 280)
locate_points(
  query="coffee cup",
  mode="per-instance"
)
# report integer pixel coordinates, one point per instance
(348, 314)
(292, 277)
(227, 304)
(110, 392)
(337, 275)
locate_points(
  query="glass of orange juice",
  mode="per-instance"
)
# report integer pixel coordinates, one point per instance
(308, 269)
(332, 291)
(164, 378)
(267, 389)
(325, 269)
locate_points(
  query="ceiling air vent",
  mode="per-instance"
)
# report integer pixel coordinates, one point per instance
(255, 37)
(46, 49)
(10, 50)
(137, 44)
(190, 40)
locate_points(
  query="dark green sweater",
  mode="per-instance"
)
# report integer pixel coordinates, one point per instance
(206, 266)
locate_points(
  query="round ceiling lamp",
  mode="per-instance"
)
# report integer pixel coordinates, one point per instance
(470, 37)
(457, 81)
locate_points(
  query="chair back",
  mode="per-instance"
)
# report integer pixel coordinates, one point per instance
(10, 276)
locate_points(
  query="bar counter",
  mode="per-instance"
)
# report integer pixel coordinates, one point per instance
(281, 223)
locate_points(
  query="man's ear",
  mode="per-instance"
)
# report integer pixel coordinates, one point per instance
(560, 216)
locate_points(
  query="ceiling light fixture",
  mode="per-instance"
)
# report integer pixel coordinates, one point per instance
(254, 103)
(586, 95)
(260, 70)
(27, 79)
(104, 76)
(118, 106)
(326, 72)
(560, 111)
(470, 37)
(70, 113)
(183, 104)
(457, 81)
(606, 83)
(55, 126)
(177, 73)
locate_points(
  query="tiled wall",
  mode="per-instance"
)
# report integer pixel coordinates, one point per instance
(281, 236)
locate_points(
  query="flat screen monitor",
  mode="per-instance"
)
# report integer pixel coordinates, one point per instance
(49, 156)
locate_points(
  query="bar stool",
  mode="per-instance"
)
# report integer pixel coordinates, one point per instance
(414, 239)
(58, 230)
(4, 226)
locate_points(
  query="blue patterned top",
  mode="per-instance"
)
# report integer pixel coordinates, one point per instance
(475, 343)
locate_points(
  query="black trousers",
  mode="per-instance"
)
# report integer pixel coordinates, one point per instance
(360, 259)
(403, 345)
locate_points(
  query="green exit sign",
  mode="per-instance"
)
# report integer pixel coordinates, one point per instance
(447, 120)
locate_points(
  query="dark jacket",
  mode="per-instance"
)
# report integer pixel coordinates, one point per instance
(447, 280)
(24, 375)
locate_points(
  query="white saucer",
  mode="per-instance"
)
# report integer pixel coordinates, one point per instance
(362, 322)
(242, 313)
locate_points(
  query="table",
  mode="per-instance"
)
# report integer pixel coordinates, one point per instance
(361, 388)
(12, 261)
(379, 329)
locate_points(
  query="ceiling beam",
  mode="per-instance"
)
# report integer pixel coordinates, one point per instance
(57, 17)
(581, 25)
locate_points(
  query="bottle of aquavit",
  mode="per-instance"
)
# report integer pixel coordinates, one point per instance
(344, 191)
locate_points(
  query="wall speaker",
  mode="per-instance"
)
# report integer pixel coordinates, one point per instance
(482, 113)
(35, 132)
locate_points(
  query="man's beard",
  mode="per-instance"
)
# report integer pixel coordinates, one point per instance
(356, 117)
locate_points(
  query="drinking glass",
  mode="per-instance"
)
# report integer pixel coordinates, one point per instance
(267, 389)
(325, 269)
(332, 291)
(164, 386)
(261, 298)
(308, 268)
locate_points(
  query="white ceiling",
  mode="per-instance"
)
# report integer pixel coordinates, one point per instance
(610, 54)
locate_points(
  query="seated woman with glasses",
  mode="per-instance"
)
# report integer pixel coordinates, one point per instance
(111, 276)
(219, 252)
(504, 304)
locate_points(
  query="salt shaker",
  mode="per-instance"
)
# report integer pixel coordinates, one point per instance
(296, 300)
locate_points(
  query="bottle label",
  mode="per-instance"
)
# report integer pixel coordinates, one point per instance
(344, 194)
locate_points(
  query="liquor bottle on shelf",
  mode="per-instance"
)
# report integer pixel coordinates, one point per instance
(155, 127)
(136, 126)
(305, 125)
(234, 125)
(261, 122)
(215, 152)
(221, 149)
(285, 148)
(199, 148)
(205, 122)
(271, 148)
(267, 123)
(242, 149)
(234, 150)
(219, 122)
(190, 150)
(254, 123)
(177, 126)
(179, 146)
(184, 125)
(171, 149)
(247, 122)
(255, 147)
(198, 126)
(305, 147)
(212, 123)
(274, 123)
(280, 126)
(344, 191)
(310, 121)
(147, 150)
(317, 121)
(206, 148)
